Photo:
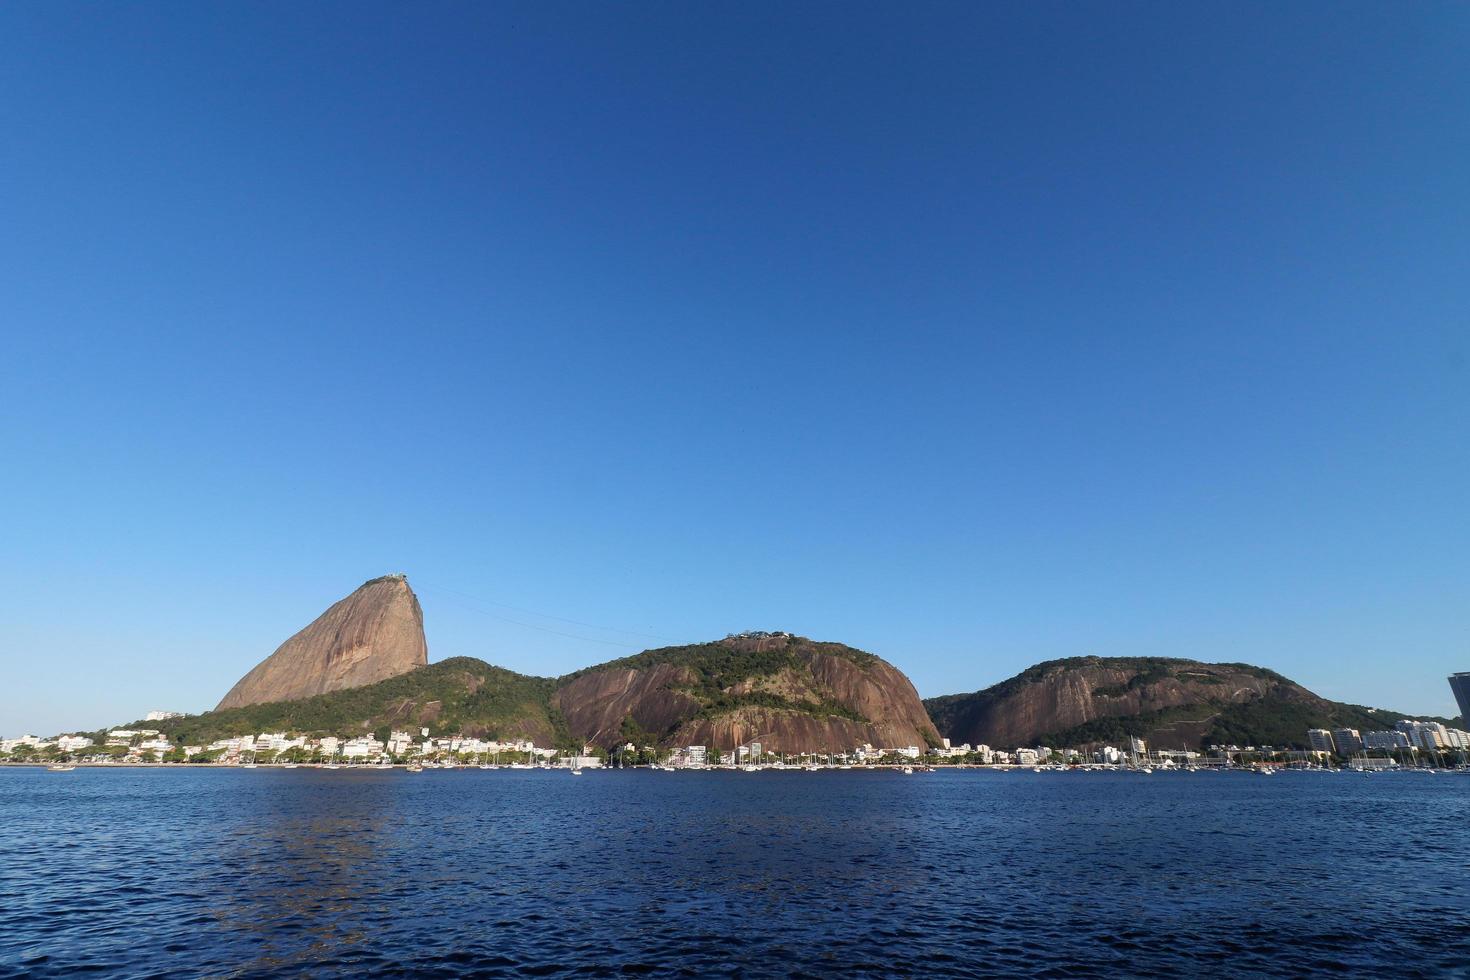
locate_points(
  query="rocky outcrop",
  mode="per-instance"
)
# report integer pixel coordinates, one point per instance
(790, 693)
(375, 633)
(1174, 703)
(595, 704)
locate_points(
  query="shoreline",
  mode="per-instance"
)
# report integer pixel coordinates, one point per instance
(397, 766)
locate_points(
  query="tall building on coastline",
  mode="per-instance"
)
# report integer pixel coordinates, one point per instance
(1347, 741)
(1460, 684)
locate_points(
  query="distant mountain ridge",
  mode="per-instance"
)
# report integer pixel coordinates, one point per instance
(1169, 702)
(362, 666)
(790, 693)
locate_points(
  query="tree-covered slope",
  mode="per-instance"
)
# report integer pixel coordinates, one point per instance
(1169, 702)
(461, 694)
(793, 694)
(790, 693)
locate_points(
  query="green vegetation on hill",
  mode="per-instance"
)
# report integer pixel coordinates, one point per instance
(461, 694)
(1116, 730)
(949, 710)
(723, 664)
(723, 704)
(717, 665)
(467, 695)
(1281, 717)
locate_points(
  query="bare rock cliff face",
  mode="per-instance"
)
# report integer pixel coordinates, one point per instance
(802, 697)
(375, 633)
(595, 704)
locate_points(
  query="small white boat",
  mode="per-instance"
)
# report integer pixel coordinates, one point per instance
(248, 765)
(288, 765)
(908, 770)
(331, 765)
(60, 767)
(413, 768)
(576, 772)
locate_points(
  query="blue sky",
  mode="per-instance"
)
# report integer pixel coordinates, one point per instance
(970, 334)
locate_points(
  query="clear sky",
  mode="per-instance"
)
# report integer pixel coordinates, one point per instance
(970, 334)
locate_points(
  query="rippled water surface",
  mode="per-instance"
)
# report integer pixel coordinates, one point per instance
(342, 873)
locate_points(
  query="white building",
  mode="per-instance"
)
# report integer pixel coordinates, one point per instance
(399, 742)
(124, 736)
(364, 747)
(1320, 740)
(1385, 740)
(1347, 740)
(274, 742)
(158, 745)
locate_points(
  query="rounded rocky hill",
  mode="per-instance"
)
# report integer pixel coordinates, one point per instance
(789, 693)
(1173, 703)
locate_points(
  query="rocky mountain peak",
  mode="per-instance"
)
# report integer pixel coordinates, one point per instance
(373, 634)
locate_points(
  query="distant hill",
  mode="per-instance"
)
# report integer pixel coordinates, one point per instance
(790, 693)
(1171, 703)
(461, 694)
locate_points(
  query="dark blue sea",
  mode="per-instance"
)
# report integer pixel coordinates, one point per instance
(264, 873)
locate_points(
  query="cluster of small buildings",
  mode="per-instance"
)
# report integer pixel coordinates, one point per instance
(147, 744)
(365, 748)
(1044, 755)
(702, 756)
(71, 743)
(137, 742)
(1426, 736)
